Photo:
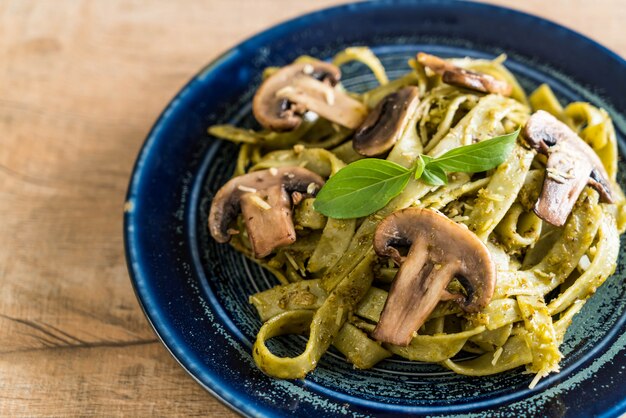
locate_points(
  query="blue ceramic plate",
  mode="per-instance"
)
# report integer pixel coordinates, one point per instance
(195, 292)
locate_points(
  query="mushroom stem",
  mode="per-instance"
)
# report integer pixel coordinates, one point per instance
(419, 282)
(267, 215)
(439, 250)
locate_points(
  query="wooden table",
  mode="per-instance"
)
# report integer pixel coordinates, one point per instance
(81, 82)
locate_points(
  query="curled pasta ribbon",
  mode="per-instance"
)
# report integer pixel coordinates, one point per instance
(596, 128)
(243, 159)
(334, 242)
(494, 201)
(434, 348)
(313, 133)
(514, 353)
(317, 160)
(269, 139)
(576, 237)
(439, 108)
(323, 325)
(305, 294)
(543, 98)
(365, 56)
(491, 340)
(519, 228)
(358, 348)
(601, 267)
(290, 322)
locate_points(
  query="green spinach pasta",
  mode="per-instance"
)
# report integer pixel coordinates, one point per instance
(443, 211)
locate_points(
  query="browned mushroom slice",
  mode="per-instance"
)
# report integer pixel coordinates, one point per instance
(325, 100)
(386, 123)
(279, 114)
(475, 81)
(286, 95)
(452, 74)
(263, 197)
(439, 250)
(267, 215)
(572, 165)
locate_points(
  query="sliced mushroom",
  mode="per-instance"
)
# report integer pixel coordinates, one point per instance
(264, 200)
(572, 164)
(385, 124)
(452, 74)
(439, 250)
(287, 94)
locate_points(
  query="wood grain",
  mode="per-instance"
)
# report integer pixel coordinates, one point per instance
(81, 82)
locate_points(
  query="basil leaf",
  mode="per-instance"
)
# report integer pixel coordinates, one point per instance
(434, 175)
(361, 188)
(367, 185)
(478, 157)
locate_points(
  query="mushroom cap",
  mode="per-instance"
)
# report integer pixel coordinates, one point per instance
(440, 250)
(226, 203)
(572, 164)
(385, 123)
(277, 113)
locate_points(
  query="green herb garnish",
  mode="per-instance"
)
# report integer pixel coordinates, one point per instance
(361, 188)
(367, 185)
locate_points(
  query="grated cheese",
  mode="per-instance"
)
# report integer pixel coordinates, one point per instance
(246, 189)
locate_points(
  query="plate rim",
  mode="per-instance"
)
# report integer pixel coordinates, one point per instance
(228, 399)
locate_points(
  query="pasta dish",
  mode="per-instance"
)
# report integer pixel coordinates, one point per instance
(438, 213)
